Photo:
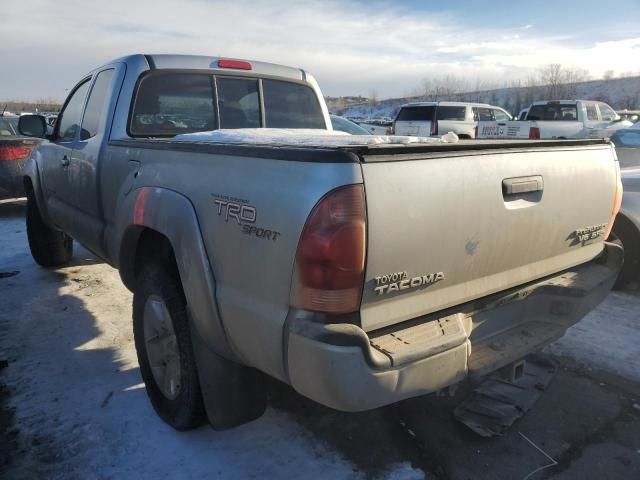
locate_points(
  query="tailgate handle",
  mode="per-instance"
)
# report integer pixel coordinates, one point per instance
(520, 185)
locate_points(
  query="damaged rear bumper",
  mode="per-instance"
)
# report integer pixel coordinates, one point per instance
(341, 366)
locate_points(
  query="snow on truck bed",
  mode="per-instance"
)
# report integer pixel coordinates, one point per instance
(305, 137)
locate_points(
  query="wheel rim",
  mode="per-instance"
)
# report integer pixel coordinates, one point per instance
(162, 347)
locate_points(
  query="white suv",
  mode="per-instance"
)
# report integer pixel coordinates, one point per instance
(436, 118)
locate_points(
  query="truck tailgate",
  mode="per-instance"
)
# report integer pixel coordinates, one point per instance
(446, 228)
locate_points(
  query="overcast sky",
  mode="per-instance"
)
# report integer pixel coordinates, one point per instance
(352, 47)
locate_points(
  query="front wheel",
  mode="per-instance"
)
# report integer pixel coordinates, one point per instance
(49, 247)
(164, 348)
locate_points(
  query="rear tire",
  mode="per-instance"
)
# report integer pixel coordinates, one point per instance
(177, 400)
(626, 235)
(49, 247)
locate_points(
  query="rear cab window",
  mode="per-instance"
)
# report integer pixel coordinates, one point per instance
(554, 112)
(172, 103)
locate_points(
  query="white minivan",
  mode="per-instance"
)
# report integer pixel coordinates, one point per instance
(425, 119)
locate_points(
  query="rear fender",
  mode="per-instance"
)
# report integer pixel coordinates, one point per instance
(173, 216)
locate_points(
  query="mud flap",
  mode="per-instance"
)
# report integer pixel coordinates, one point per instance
(232, 393)
(497, 403)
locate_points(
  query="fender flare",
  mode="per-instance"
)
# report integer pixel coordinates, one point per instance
(31, 173)
(173, 215)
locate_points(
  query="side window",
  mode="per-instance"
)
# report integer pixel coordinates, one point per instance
(592, 113)
(238, 102)
(168, 104)
(96, 105)
(69, 120)
(606, 112)
(289, 105)
(500, 116)
(485, 115)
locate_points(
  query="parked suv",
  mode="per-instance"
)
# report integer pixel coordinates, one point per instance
(432, 118)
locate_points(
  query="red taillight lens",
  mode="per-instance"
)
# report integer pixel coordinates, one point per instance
(329, 271)
(14, 153)
(534, 133)
(235, 64)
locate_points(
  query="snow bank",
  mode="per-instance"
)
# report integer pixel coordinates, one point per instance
(304, 137)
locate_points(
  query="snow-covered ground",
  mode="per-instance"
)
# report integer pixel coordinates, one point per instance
(82, 411)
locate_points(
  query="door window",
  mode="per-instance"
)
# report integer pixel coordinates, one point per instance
(501, 116)
(69, 120)
(452, 113)
(96, 105)
(606, 112)
(592, 113)
(482, 114)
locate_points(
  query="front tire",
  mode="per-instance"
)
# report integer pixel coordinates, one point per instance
(164, 347)
(49, 247)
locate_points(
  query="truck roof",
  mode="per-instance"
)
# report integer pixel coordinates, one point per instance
(203, 62)
(564, 102)
(447, 104)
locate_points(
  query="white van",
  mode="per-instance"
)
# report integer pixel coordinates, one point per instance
(437, 118)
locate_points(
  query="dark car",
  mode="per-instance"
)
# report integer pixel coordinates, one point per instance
(15, 149)
(344, 125)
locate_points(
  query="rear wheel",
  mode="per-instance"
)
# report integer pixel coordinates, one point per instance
(164, 348)
(49, 247)
(626, 235)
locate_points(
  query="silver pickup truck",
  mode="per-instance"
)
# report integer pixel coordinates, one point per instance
(358, 274)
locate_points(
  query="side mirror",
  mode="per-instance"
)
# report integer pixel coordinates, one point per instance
(32, 126)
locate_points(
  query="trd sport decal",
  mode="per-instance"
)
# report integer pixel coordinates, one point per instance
(239, 211)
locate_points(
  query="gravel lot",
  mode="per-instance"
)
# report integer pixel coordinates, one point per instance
(72, 404)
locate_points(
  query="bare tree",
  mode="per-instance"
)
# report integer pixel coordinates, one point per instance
(608, 75)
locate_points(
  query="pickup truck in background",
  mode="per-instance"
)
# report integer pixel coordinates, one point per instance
(561, 119)
(436, 118)
(359, 274)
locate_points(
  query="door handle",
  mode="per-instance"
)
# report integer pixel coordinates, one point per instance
(65, 161)
(520, 185)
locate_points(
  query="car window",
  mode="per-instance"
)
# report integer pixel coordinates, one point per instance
(416, 114)
(452, 113)
(501, 116)
(8, 126)
(96, 105)
(482, 114)
(172, 104)
(69, 119)
(606, 112)
(290, 105)
(626, 138)
(553, 112)
(592, 113)
(238, 102)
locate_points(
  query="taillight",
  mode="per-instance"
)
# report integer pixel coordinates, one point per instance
(329, 269)
(234, 64)
(617, 201)
(14, 153)
(534, 133)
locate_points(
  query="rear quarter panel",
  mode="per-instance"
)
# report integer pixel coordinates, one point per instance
(252, 274)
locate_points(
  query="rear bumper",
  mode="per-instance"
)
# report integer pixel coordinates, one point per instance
(345, 368)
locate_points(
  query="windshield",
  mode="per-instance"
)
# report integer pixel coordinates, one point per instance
(8, 126)
(553, 112)
(344, 125)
